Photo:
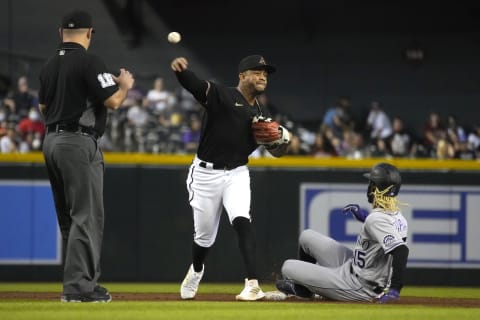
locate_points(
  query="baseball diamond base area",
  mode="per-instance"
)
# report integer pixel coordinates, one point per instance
(124, 296)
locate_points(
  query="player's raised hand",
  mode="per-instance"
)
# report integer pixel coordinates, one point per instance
(391, 296)
(179, 64)
(356, 211)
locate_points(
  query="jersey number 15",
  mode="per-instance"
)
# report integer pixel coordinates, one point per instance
(359, 258)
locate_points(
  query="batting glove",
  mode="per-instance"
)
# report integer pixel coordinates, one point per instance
(356, 211)
(391, 296)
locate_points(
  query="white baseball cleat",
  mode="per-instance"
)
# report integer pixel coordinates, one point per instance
(275, 296)
(251, 292)
(190, 284)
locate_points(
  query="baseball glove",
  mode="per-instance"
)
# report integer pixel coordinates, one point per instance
(265, 130)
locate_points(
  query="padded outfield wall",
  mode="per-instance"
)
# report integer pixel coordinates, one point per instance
(148, 226)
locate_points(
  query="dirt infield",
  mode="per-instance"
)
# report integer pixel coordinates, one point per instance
(426, 301)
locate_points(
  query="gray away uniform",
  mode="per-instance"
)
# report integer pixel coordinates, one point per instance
(344, 274)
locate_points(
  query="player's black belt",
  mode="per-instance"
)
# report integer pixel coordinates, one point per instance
(216, 166)
(375, 287)
(76, 128)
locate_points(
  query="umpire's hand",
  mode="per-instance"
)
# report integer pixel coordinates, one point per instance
(124, 80)
(179, 64)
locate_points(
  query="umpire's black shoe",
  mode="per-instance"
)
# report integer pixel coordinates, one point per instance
(99, 294)
(98, 288)
(290, 288)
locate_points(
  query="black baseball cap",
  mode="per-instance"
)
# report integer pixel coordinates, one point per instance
(255, 62)
(77, 19)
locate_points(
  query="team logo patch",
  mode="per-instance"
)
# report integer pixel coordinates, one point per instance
(365, 244)
(388, 239)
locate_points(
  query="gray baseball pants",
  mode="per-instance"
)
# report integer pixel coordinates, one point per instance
(75, 168)
(330, 277)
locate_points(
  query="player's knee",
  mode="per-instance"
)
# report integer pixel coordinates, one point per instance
(288, 269)
(204, 241)
(305, 236)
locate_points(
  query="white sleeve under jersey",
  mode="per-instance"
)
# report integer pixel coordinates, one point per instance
(380, 234)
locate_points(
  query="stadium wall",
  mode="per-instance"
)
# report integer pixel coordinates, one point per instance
(149, 227)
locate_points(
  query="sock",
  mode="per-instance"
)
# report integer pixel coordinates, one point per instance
(246, 243)
(198, 256)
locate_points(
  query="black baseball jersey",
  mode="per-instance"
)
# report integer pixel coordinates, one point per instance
(226, 137)
(73, 81)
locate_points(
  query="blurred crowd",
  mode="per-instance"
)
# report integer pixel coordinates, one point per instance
(158, 120)
(380, 135)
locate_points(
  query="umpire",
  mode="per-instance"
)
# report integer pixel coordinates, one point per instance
(75, 90)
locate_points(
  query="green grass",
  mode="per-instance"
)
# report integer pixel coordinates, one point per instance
(226, 310)
(442, 292)
(197, 310)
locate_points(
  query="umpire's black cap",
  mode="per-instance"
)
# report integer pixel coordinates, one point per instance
(255, 62)
(77, 19)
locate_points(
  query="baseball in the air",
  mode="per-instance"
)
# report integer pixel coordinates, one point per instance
(174, 37)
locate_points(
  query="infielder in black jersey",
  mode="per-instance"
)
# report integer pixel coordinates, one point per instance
(219, 176)
(76, 89)
(374, 269)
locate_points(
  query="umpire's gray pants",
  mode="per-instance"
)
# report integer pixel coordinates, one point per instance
(75, 167)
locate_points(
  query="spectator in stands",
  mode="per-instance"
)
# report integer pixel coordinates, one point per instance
(8, 143)
(295, 148)
(191, 136)
(22, 99)
(137, 115)
(3, 115)
(338, 118)
(114, 137)
(351, 145)
(135, 95)
(158, 99)
(136, 126)
(378, 123)
(321, 147)
(33, 124)
(5, 84)
(176, 128)
(334, 141)
(3, 126)
(463, 152)
(474, 139)
(400, 142)
(305, 135)
(379, 149)
(30, 132)
(444, 149)
(456, 134)
(433, 132)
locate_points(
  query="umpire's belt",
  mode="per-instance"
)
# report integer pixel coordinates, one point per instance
(76, 128)
(372, 284)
